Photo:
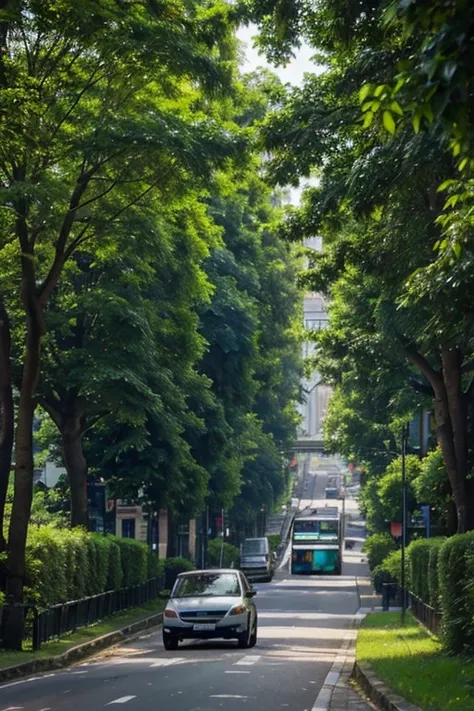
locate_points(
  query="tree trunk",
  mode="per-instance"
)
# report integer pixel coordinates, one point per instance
(457, 406)
(6, 416)
(457, 479)
(14, 624)
(76, 467)
(450, 411)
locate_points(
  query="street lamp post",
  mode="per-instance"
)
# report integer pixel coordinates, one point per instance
(404, 519)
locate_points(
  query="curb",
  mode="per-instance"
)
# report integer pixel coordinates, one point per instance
(82, 650)
(378, 692)
(341, 667)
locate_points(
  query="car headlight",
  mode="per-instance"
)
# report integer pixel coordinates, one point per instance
(238, 610)
(170, 613)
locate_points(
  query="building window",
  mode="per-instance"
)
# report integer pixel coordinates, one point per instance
(128, 528)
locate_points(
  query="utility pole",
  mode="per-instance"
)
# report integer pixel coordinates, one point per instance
(404, 518)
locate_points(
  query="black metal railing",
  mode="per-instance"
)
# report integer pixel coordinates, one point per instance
(65, 618)
(429, 616)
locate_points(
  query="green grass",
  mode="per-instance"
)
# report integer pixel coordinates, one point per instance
(411, 662)
(87, 634)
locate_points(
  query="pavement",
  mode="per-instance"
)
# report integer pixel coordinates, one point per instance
(307, 626)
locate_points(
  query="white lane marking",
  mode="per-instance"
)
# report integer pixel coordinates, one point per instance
(237, 672)
(248, 660)
(26, 681)
(227, 696)
(13, 708)
(167, 662)
(76, 673)
(46, 709)
(122, 700)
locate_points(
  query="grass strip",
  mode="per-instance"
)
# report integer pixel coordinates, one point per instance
(412, 663)
(86, 634)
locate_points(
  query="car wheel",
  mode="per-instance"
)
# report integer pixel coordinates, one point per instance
(170, 643)
(253, 636)
(245, 638)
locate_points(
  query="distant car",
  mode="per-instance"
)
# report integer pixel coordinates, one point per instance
(211, 604)
(256, 561)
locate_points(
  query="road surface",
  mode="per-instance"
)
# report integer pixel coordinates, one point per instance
(302, 624)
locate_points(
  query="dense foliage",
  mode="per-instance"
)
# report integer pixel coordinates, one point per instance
(149, 310)
(381, 134)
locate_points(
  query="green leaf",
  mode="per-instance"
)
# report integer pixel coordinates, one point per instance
(369, 117)
(400, 83)
(388, 122)
(416, 121)
(379, 90)
(396, 108)
(457, 249)
(445, 185)
(463, 164)
(364, 92)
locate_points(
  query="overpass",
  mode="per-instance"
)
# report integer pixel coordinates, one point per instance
(314, 443)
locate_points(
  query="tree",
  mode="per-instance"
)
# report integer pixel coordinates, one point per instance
(377, 208)
(87, 135)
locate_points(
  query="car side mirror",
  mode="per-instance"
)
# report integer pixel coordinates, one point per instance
(250, 593)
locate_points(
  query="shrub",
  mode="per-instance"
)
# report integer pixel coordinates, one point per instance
(455, 568)
(114, 574)
(433, 573)
(377, 547)
(90, 578)
(102, 553)
(155, 566)
(134, 559)
(230, 557)
(47, 565)
(381, 575)
(173, 567)
(418, 555)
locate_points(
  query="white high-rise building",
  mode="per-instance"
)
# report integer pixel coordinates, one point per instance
(316, 395)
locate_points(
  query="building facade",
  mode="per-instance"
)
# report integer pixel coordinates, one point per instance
(315, 394)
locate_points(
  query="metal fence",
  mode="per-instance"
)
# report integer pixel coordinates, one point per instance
(429, 616)
(66, 618)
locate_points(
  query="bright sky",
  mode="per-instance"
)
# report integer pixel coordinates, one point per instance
(292, 73)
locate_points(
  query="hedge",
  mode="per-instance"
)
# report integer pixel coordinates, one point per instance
(377, 547)
(134, 559)
(455, 569)
(418, 556)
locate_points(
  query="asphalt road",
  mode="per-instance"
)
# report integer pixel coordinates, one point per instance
(302, 623)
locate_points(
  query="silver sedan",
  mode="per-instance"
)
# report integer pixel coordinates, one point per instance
(211, 604)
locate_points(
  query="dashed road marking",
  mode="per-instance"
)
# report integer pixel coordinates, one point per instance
(237, 672)
(122, 700)
(227, 696)
(167, 662)
(248, 660)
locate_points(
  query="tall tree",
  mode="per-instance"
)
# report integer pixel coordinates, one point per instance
(378, 209)
(86, 135)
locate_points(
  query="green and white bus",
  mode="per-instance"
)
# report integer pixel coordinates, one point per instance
(317, 540)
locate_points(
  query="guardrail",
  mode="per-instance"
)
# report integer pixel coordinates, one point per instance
(65, 618)
(430, 617)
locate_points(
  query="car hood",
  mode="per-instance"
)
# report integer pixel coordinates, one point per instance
(206, 603)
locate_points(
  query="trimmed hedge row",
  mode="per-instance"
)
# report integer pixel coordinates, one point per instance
(441, 573)
(65, 565)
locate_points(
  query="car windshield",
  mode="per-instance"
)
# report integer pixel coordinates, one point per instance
(255, 546)
(207, 585)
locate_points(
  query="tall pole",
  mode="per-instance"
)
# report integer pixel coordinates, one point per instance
(404, 519)
(222, 542)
